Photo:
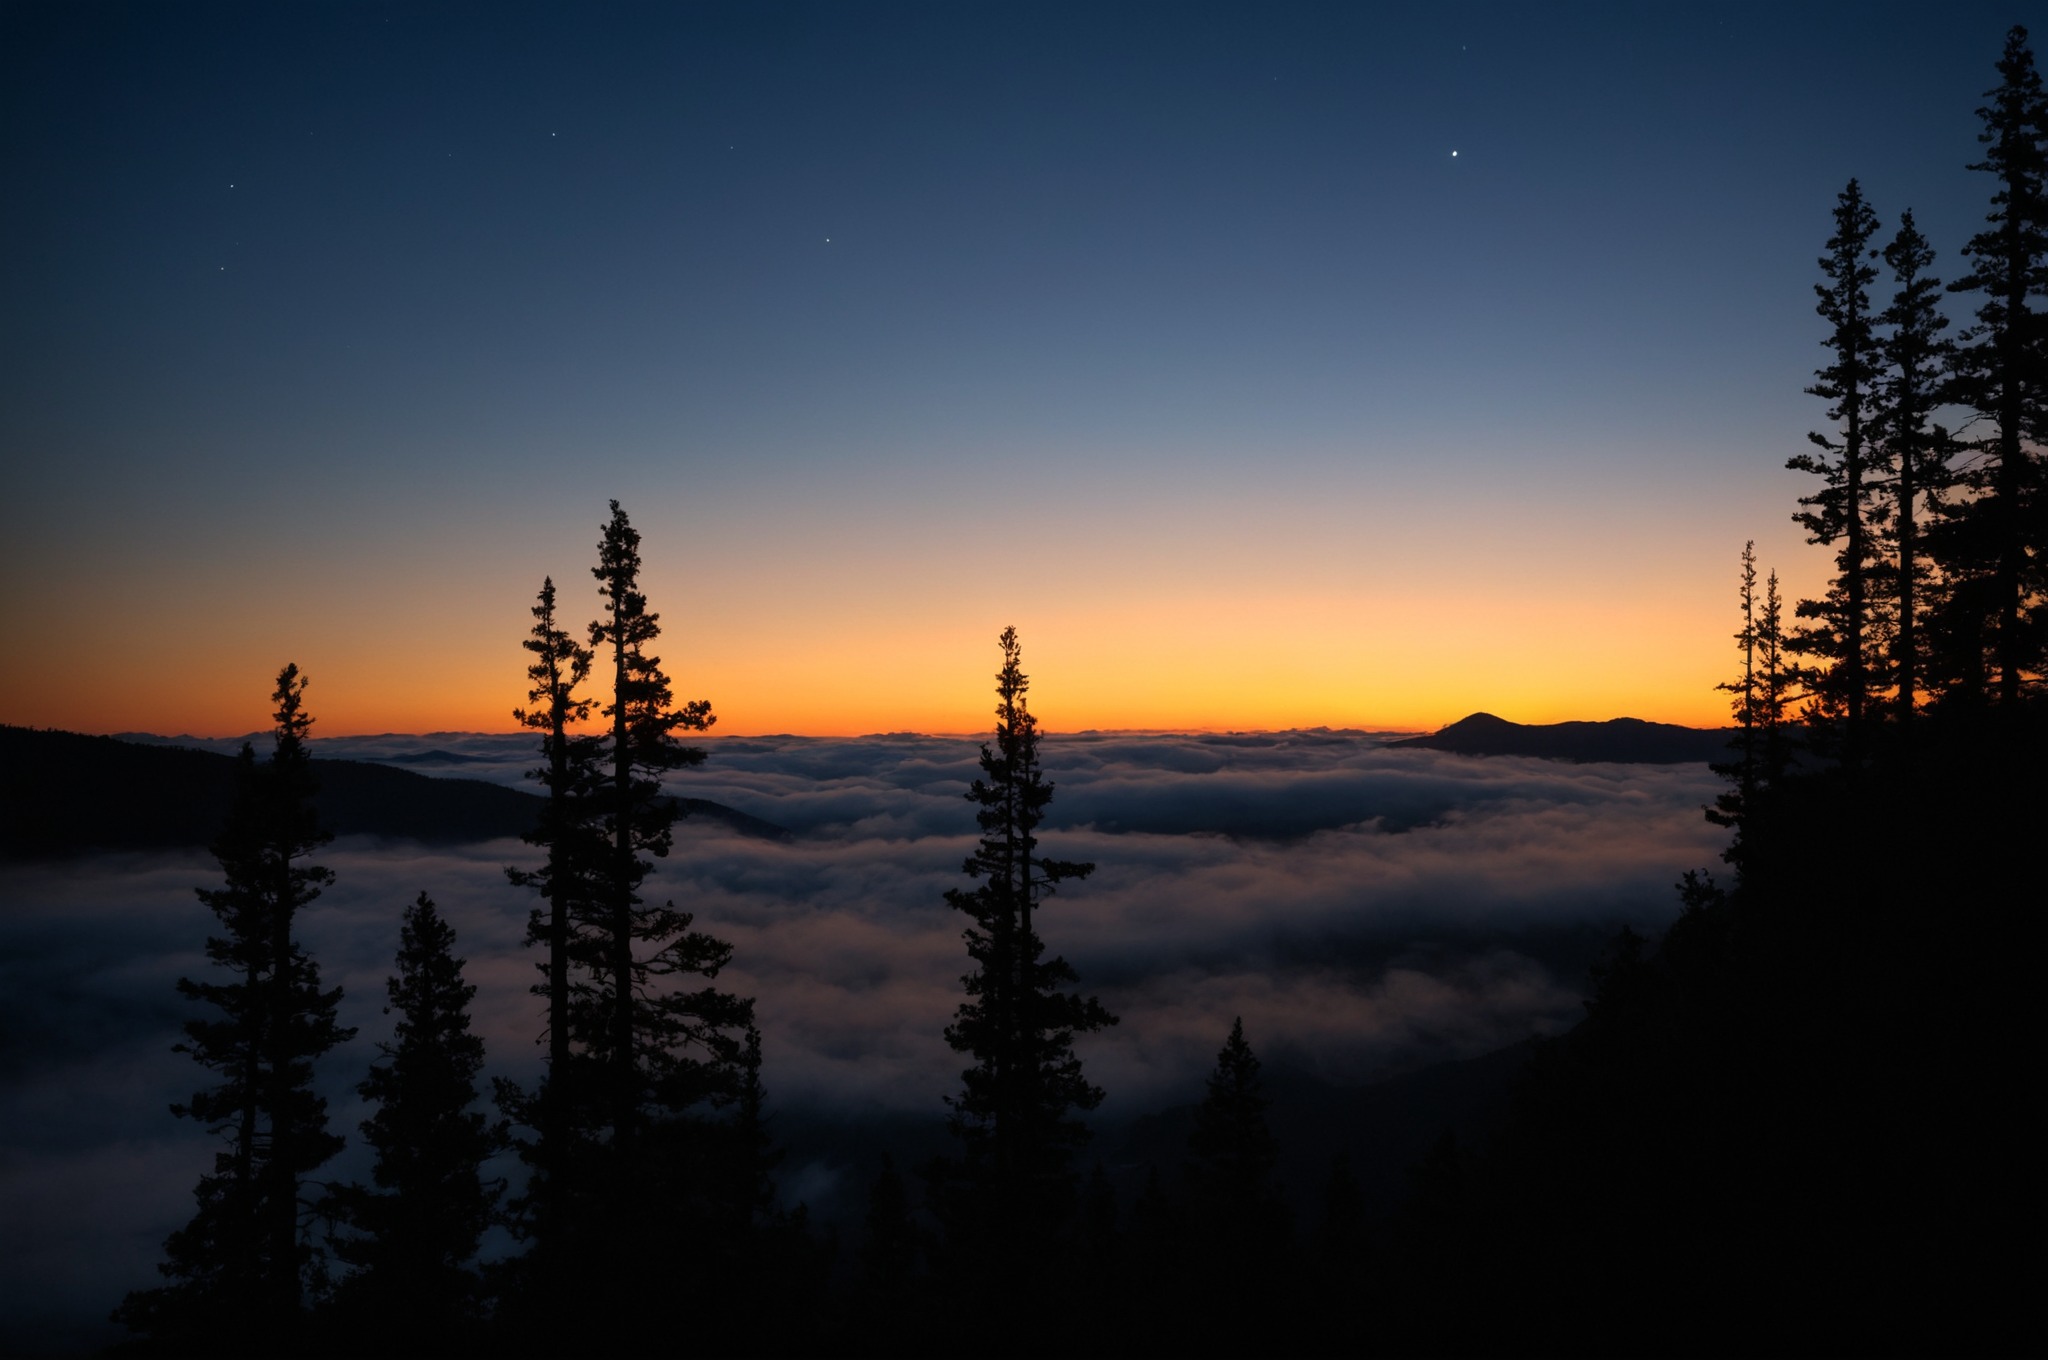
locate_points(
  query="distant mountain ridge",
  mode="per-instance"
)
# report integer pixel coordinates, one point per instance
(63, 793)
(1624, 740)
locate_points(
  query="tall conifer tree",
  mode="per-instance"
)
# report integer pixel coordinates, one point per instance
(574, 848)
(1916, 358)
(1838, 513)
(663, 1050)
(1016, 1113)
(238, 1268)
(1993, 542)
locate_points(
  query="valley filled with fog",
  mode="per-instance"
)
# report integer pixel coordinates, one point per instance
(1367, 911)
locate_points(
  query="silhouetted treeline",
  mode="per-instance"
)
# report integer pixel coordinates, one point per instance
(1931, 480)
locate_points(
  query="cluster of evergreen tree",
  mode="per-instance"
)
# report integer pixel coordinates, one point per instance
(1939, 598)
(646, 1142)
(648, 1157)
(1808, 1120)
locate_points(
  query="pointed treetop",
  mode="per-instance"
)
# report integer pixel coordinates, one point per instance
(618, 571)
(293, 722)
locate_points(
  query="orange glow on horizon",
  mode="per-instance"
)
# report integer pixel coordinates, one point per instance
(1137, 634)
(1240, 665)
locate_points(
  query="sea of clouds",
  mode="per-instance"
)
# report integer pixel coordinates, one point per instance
(1366, 910)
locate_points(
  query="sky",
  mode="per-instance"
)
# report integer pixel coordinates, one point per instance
(1386, 909)
(1267, 366)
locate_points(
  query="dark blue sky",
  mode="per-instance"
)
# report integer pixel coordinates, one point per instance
(397, 295)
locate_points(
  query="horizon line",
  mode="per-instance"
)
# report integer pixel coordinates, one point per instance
(976, 734)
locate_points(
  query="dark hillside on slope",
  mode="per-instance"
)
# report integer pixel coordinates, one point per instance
(1811, 1113)
(62, 793)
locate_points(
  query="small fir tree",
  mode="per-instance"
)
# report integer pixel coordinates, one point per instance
(419, 1227)
(1775, 688)
(1763, 742)
(1743, 771)
(1231, 1153)
(239, 1268)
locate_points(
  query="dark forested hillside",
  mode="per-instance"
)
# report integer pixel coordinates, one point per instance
(1811, 1113)
(58, 789)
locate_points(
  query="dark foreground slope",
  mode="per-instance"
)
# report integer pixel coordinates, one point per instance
(1628, 740)
(62, 793)
(1808, 1123)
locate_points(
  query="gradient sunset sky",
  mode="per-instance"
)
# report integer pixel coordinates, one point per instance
(1266, 365)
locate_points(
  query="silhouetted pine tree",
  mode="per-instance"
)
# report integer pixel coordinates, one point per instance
(1916, 360)
(1743, 772)
(239, 1268)
(1775, 687)
(418, 1229)
(1232, 1156)
(1761, 747)
(573, 846)
(666, 1048)
(1015, 1115)
(1846, 462)
(751, 1182)
(761, 1260)
(1992, 542)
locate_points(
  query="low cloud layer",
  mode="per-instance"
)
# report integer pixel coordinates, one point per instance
(1365, 910)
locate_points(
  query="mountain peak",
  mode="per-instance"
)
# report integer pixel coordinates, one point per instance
(1627, 740)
